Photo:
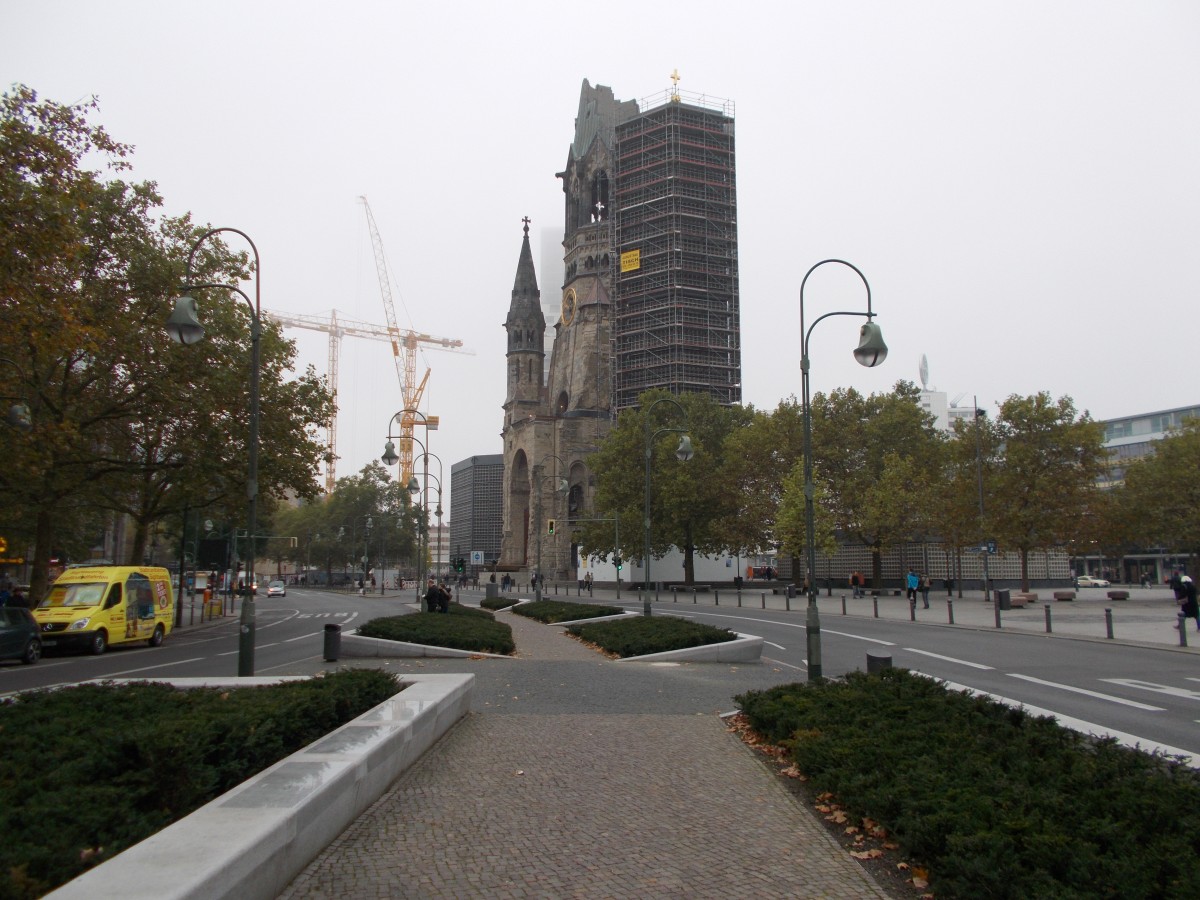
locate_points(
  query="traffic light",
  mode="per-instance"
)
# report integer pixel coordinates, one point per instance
(460, 564)
(618, 561)
(550, 526)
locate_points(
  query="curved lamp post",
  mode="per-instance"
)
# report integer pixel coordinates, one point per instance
(682, 453)
(391, 457)
(184, 328)
(415, 488)
(871, 351)
(559, 488)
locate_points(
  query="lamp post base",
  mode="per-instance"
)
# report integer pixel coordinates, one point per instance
(246, 639)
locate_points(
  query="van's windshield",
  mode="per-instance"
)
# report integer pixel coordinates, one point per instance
(86, 594)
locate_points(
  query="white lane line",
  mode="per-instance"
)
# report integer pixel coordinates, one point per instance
(303, 637)
(857, 637)
(780, 662)
(1190, 757)
(146, 668)
(961, 662)
(776, 646)
(1157, 688)
(1086, 692)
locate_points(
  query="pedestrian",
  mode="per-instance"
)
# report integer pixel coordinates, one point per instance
(444, 592)
(912, 582)
(925, 588)
(5, 595)
(588, 581)
(18, 599)
(432, 596)
(1191, 609)
(1176, 582)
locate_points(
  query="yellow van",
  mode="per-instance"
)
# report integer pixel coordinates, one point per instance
(94, 606)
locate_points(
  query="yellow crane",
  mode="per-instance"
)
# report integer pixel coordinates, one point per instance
(404, 349)
(337, 328)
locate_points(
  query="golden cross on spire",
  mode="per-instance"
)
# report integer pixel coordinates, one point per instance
(675, 78)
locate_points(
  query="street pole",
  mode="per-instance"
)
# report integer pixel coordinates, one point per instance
(982, 526)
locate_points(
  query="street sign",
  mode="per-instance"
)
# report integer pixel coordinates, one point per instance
(991, 547)
(477, 557)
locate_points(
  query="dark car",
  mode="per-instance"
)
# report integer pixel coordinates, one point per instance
(19, 635)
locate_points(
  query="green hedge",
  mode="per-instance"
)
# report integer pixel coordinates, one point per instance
(501, 602)
(649, 634)
(995, 801)
(88, 771)
(465, 629)
(552, 611)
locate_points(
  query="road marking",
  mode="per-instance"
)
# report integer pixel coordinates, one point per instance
(303, 637)
(780, 662)
(1124, 738)
(1079, 690)
(857, 637)
(147, 668)
(1157, 688)
(961, 662)
(776, 646)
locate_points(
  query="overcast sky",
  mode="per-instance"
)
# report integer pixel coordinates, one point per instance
(1018, 181)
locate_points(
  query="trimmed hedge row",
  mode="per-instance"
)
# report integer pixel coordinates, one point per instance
(995, 801)
(553, 611)
(88, 771)
(464, 629)
(649, 634)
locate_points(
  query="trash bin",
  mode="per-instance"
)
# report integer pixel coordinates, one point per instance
(491, 591)
(1003, 599)
(791, 592)
(333, 642)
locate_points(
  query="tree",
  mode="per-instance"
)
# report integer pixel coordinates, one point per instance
(689, 502)
(122, 421)
(1162, 494)
(876, 460)
(1046, 475)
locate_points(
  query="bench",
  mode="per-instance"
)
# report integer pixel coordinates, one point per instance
(1022, 599)
(1064, 595)
(1118, 595)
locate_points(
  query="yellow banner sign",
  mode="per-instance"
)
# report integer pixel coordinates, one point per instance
(630, 260)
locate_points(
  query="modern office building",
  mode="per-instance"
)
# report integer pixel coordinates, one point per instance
(475, 509)
(1133, 437)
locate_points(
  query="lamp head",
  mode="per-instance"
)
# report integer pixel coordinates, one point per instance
(414, 486)
(871, 350)
(19, 417)
(184, 325)
(390, 457)
(684, 452)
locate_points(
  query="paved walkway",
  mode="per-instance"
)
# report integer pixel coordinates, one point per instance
(578, 777)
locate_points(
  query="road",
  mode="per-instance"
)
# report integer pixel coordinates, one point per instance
(1147, 695)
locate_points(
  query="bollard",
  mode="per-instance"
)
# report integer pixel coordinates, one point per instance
(764, 599)
(739, 598)
(843, 604)
(812, 629)
(787, 602)
(1048, 630)
(997, 615)
(950, 610)
(1182, 629)
(333, 642)
(877, 662)
(716, 597)
(695, 596)
(674, 595)
(912, 610)
(875, 603)
(1108, 621)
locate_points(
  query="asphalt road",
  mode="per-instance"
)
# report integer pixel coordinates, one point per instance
(1142, 694)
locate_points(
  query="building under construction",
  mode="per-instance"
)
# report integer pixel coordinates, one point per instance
(676, 322)
(648, 299)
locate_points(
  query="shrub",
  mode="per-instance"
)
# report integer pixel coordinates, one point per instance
(997, 802)
(649, 634)
(88, 771)
(501, 602)
(473, 630)
(552, 611)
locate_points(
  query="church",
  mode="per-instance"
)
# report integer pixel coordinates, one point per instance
(649, 299)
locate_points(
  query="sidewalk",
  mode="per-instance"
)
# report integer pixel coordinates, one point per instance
(576, 777)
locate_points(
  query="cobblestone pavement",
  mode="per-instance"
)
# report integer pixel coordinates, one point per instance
(576, 777)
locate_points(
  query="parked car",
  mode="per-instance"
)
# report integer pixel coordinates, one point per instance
(19, 638)
(276, 589)
(1089, 581)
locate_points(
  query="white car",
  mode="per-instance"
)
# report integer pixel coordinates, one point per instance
(1089, 581)
(276, 589)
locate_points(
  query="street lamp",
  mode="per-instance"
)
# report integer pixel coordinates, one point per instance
(184, 328)
(683, 453)
(414, 488)
(871, 351)
(559, 488)
(390, 458)
(979, 413)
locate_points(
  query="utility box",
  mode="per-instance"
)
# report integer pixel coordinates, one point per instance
(1004, 599)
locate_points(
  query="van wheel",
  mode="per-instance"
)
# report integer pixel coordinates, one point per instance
(33, 652)
(99, 643)
(156, 639)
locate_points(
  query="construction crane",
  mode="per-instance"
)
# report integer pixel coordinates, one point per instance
(404, 349)
(337, 328)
